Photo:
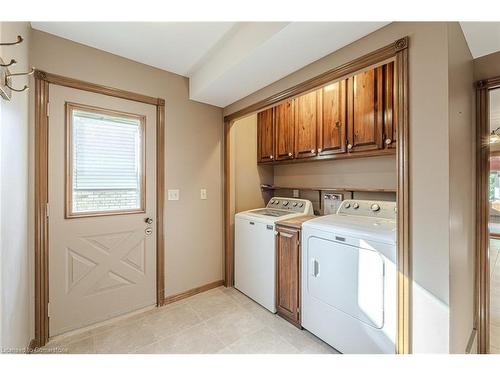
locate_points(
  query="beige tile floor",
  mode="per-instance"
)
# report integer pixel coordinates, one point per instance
(219, 321)
(495, 296)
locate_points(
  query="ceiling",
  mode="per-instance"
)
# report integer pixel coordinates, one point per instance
(225, 61)
(483, 38)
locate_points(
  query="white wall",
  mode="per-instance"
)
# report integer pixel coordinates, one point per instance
(15, 258)
(462, 188)
(248, 176)
(193, 235)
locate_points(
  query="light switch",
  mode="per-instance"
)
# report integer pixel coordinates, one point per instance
(173, 194)
(203, 194)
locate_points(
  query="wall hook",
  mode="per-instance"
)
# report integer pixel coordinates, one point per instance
(12, 62)
(19, 41)
(8, 76)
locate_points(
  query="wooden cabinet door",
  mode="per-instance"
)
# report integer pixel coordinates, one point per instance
(365, 105)
(332, 119)
(390, 118)
(306, 124)
(288, 274)
(265, 136)
(285, 130)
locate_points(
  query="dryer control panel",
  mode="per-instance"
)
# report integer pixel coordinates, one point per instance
(358, 207)
(291, 204)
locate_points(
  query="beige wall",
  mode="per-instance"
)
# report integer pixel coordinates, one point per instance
(462, 182)
(376, 173)
(487, 66)
(16, 328)
(193, 153)
(248, 176)
(429, 166)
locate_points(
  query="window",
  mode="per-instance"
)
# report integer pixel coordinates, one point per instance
(105, 162)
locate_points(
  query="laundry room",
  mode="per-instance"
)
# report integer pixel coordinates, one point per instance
(326, 153)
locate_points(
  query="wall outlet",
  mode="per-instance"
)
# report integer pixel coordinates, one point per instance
(203, 194)
(295, 193)
(173, 194)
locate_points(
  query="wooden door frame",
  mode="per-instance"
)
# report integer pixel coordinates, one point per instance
(482, 279)
(43, 80)
(397, 52)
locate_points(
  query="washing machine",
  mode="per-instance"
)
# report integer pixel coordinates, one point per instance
(254, 247)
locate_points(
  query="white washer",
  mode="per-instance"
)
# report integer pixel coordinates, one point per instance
(254, 247)
(349, 277)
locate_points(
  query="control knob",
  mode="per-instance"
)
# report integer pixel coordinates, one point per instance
(355, 206)
(285, 203)
(375, 207)
(294, 204)
(301, 204)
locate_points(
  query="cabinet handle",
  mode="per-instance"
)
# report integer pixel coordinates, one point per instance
(289, 154)
(271, 157)
(313, 151)
(388, 141)
(319, 150)
(337, 124)
(349, 146)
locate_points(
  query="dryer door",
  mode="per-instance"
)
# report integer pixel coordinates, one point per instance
(348, 278)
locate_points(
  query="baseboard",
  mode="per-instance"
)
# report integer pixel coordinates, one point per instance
(191, 292)
(32, 346)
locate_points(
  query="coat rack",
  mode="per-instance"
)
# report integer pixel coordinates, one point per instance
(6, 86)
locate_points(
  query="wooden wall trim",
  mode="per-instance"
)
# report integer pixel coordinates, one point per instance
(192, 292)
(482, 289)
(399, 52)
(41, 241)
(160, 203)
(99, 89)
(228, 233)
(403, 344)
(341, 71)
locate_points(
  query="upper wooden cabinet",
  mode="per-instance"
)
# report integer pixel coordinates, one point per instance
(332, 119)
(265, 136)
(365, 106)
(306, 125)
(353, 117)
(284, 118)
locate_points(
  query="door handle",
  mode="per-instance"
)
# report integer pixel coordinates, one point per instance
(148, 220)
(314, 268)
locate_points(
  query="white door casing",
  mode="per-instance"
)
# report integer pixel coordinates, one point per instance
(103, 266)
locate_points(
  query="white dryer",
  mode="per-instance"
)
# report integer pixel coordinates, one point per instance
(349, 277)
(254, 247)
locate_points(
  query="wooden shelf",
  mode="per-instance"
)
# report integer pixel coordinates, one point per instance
(315, 188)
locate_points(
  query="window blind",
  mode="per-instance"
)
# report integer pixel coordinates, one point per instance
(106, 152)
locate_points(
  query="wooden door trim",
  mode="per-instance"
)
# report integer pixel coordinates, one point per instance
(397, 52)
(482, 271)
(41, 241)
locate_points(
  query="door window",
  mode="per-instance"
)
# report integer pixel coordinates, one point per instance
(105, 162)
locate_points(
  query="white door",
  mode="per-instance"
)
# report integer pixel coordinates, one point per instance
(102, 252)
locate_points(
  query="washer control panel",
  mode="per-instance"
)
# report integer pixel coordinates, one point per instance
(358, 207)
(291, 204)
